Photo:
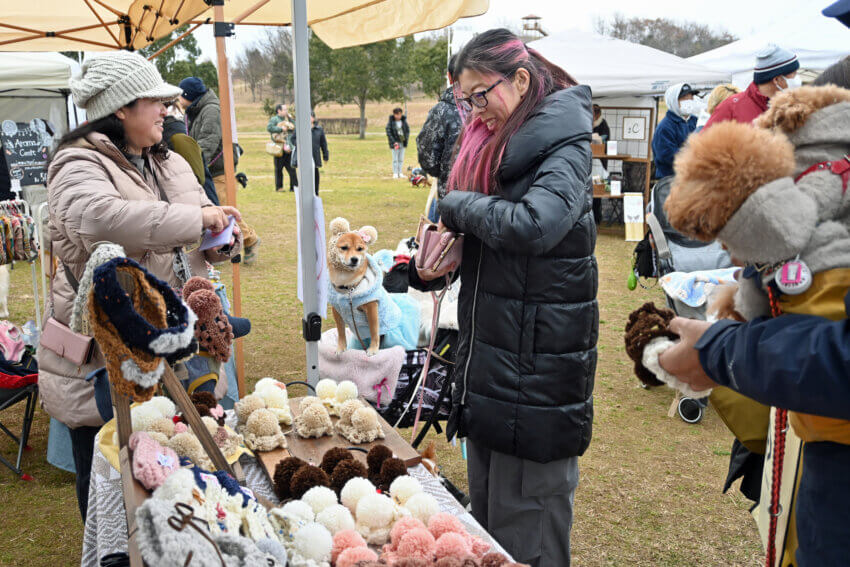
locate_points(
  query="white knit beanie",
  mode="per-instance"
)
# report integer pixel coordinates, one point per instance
(116, 79)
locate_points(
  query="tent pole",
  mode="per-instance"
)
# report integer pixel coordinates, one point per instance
(312, 322)
(221, 32)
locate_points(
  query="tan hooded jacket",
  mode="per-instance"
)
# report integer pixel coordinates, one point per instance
(95, 194)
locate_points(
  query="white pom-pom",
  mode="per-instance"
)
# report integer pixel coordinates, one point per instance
(326, 389)
(403, 488)
(422, 506)
(165, 406)
(298, 510)
(274, 397)
(354, 490)
(346, 390)
(319, 498)
(336, 518)
(177, 486)
(143, 416)
(314, 542)
(266, 383)
(375, 511)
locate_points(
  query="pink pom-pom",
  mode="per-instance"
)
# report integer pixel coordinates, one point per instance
(452, 545)
(353, 555)
(401, 527)
(180, 427)
(478, 545)
(346, 539)
(417, 543)
(443, 523)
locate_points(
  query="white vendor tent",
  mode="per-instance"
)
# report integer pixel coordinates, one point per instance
(35, 85)
(818, 42)
(617, 68)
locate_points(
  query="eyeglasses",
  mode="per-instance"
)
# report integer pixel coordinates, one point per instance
(478, 99)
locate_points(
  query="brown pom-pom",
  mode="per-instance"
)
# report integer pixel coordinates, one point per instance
(412, 562)
(448, 562)
(306, 478)
(204, 402)
(345, 471)
(645, 324)
(333, 457)
(375, 459)
(494, 559)
(391, 470)
(283, 473)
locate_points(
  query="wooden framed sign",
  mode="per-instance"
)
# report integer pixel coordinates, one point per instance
(634, 127)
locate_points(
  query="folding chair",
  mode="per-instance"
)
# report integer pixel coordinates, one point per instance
(8, 398)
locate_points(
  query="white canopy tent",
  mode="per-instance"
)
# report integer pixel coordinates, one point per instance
(818, 42)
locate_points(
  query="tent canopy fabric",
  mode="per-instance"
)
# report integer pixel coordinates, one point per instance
(35, 71)
(817, 41)
(614, 67)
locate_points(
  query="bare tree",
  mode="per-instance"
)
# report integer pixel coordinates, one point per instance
(679, 38)
(276, 46)
(253, 67)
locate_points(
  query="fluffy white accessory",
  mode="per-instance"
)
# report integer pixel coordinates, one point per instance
(346, 390)
(287, 520)
(336, 518)
(143, 416)
(403, 488)
(651, 353)
(376, 515)
(177, 487)
(276, 400)
(165, 406)
(422, 506)
(326, 389)
(255, 522)
(354, 490)
(319, 498)
(313, 542)
(268, 382)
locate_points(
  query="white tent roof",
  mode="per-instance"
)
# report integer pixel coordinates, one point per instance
(35, 70)
(818, 42)
(614, 67)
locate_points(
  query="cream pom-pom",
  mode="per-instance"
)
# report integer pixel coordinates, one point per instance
(314, 421)
(375, 511)
(210, 424)
(276, 400)
(348, 408)
(267, 383)
(143, 416)
(336, 518)
(300, 510)
(262, 431)
(246, 406)
(165, 406)
(346, 390)
(365, 419)
(354, 490)
(158, 437)
(162, 426)
(326, 389)
(422, 506)
(403, 488)
(313, 542)
(319, 498)
(308, 401)
(177, 486)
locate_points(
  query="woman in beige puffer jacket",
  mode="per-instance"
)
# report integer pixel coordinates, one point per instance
(113, 179)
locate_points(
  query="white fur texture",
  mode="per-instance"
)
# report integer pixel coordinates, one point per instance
(346, 390)
(143, 416)
(313, 542)
(319, 498)
(354, 490)
(375, 515)
(336, 518)
(652, 352)
(131, 371)
(403, 488)
(165, 406)
(422, 506)
(326, 389)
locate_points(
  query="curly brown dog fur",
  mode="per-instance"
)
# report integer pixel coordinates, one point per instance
(789, 110)
(722, 304)
(718, 169)
(646, 323)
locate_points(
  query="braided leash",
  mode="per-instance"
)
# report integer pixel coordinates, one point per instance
(780, 430)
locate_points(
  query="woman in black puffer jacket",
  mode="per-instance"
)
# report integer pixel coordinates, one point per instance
(523, 381)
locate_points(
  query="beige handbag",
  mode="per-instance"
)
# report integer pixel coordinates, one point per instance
(274, 149)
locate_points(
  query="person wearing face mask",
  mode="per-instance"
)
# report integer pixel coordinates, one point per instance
(775, 71)
(520, 191)
(671, 133)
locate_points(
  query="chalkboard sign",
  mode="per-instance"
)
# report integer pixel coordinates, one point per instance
(25, 147)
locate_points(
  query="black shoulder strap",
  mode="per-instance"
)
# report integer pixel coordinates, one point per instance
(75, 285)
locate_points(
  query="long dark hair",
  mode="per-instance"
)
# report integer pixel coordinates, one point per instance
(111, 127)
(499, 53)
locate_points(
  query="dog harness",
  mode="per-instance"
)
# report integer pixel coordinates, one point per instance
(839, 167)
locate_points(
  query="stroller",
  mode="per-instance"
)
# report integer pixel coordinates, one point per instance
(677, 253)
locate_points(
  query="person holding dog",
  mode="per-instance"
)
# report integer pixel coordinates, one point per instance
(398, 133)
(520, 191)
(279, 127)
(113, 179)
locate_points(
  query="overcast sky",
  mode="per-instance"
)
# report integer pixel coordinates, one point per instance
(740, 17)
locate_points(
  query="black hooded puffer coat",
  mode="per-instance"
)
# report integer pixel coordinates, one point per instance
(526, 360)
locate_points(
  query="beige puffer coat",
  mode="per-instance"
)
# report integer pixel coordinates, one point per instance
(95, 194)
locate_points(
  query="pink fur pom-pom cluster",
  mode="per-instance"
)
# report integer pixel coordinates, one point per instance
(353, 555)
(452, 544)
(445, 539)
(345, 540)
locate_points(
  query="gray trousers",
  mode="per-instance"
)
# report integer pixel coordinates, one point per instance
(526, 506)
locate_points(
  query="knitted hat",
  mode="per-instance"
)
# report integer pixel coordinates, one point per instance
(193, 88)
(212, 329)
(152, 463)
(102, 253)
(773, 61)
(116, 79)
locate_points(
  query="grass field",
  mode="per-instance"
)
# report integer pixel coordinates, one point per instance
(650, 485)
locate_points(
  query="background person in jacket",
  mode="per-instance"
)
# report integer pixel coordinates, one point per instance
(775, 70)
(435, 142)
(715, 97)
(203, 119)
(178, 140)
(320, 147)
(113, 179)
(397, 134)
(281, 125)
(674, 129)
(520, 191)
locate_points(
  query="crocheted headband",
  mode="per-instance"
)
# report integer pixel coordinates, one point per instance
(131, 313)
(103, 252)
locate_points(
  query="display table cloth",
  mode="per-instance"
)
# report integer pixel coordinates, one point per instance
(106, 524)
